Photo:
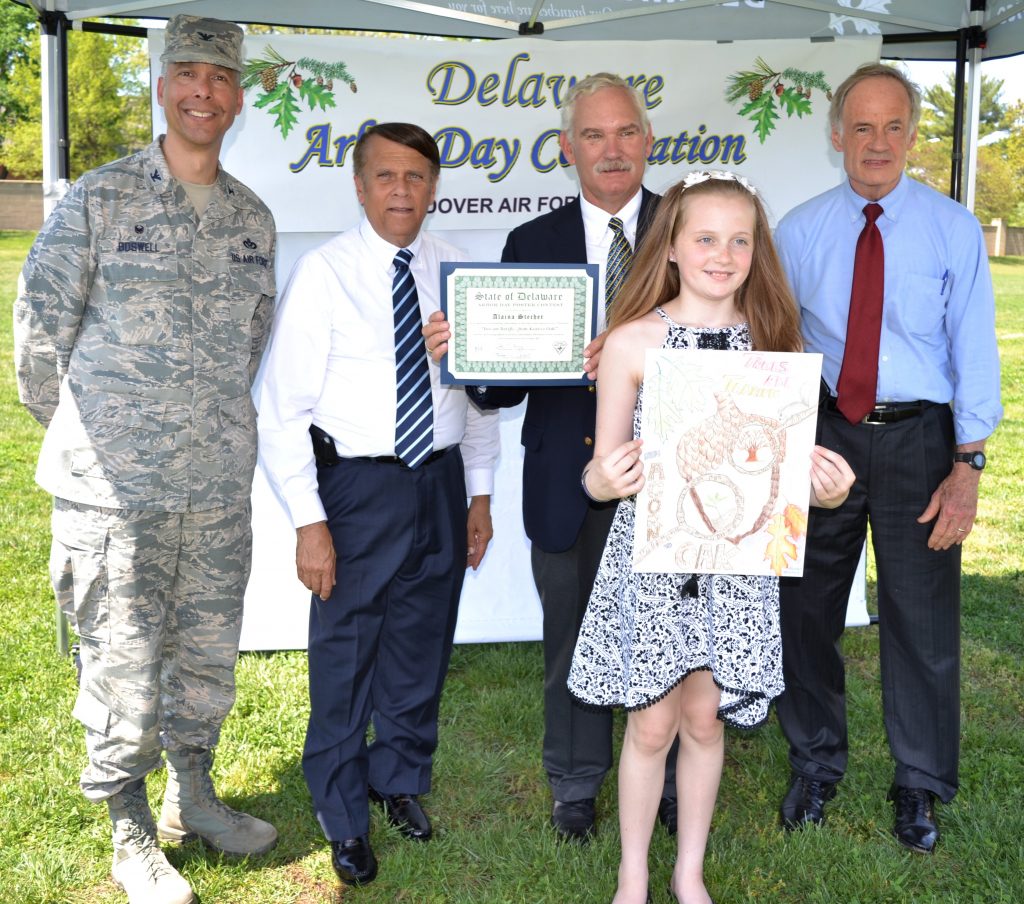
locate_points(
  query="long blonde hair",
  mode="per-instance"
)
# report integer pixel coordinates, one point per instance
(764, 299)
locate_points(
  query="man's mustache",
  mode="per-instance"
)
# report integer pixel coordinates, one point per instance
(614, 166)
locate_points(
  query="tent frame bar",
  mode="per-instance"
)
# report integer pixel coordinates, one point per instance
(56, 24)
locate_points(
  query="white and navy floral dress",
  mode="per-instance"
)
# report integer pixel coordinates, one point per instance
(644, 633)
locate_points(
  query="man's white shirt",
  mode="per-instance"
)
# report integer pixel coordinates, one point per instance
(332, 363)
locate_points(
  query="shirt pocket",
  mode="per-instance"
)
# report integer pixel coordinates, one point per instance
(919, 307)
(233, 314)
(141, 279)
(125, 439)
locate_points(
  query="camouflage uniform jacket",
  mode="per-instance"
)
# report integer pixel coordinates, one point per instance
(138, 332)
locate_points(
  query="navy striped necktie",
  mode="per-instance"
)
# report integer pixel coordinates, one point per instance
(414, 416)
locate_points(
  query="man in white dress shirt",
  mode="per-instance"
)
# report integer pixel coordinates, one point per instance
(385, 523)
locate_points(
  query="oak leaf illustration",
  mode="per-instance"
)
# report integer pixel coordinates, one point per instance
(796, 521)
(780, 547)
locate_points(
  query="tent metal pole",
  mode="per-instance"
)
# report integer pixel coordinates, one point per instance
(973, 116)
(959, 102)
(53, 37)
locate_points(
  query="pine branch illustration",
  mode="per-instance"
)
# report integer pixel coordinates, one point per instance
(337, 71)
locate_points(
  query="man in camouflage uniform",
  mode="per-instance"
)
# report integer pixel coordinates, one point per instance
(142, 314)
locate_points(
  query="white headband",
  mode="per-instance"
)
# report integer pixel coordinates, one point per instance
(698, 176)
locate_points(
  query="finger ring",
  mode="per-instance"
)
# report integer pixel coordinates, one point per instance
(962, 530)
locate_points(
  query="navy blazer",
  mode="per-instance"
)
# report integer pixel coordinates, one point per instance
(558, 430)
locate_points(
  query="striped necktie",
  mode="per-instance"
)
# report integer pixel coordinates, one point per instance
(414, 416)
(620, 256)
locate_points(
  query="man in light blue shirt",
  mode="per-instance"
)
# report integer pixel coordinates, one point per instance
(918, 455)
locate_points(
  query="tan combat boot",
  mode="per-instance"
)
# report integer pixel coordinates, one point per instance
(140, 867)
(191, 809)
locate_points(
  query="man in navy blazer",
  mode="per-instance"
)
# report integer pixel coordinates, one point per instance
(607, 136)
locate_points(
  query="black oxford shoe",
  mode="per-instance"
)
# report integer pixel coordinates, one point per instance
(915, 828)
(804, 803)
(668, 814)
(353, 860)
(574, 819)
(405, 814)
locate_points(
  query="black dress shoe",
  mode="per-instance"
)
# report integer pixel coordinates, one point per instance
(405, 814)
(804, 803)
(353, 860)
(574, 819)
(915, 828)
(668, 814)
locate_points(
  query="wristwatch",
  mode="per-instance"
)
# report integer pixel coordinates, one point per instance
(975, 459)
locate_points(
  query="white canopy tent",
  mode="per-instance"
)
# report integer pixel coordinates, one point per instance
(960, 30)
(965, 31)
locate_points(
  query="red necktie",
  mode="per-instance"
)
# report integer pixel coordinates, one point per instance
(859, 377)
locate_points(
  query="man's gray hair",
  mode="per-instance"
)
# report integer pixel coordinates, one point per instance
(873, 70)
(594, 83)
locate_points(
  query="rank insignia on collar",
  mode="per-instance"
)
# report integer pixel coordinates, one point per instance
(155, 176)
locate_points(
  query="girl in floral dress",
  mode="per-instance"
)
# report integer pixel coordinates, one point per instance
(683, 653)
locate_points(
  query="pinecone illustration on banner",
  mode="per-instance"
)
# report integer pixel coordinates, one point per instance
(288, 85)
(765, 93)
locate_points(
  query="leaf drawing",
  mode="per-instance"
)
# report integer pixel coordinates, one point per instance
(796, 520)
(281, 102)
(765, 93)
(780, 548)
(278, 76)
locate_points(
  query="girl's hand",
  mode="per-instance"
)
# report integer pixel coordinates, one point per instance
(615, 475)
(831, 478)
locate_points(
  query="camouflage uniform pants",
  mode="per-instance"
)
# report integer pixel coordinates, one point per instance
(156, 599)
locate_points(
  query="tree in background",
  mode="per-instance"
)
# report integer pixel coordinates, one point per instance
(997, 187)
(1013, 148)
(108, 100)
(937, 112)
(17, 30)
(998, 191)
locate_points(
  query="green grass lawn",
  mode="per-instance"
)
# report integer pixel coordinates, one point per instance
(490, 804)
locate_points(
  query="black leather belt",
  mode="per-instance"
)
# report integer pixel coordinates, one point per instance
(395, 460)
(889, 413)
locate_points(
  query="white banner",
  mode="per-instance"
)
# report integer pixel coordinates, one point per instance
(492, 108)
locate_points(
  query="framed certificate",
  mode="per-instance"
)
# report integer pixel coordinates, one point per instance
(516, 324)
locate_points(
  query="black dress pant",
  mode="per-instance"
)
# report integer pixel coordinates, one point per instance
(898, 467)
(379, 646)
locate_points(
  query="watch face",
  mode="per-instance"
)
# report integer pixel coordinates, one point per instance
(975, 459)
